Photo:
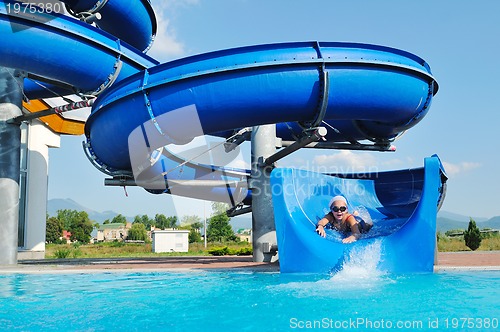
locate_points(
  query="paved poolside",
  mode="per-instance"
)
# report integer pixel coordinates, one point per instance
(139, 264)
(467, 260)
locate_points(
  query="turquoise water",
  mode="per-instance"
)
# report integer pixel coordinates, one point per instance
(356, 298)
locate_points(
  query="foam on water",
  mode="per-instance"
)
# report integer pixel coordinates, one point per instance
(361, 263)
(359, 272)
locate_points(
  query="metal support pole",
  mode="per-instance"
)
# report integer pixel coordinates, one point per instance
(263, 229)
(380, 147)
(204, 226)
(11, 97)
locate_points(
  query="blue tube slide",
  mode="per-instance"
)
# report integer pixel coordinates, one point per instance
(373, 93)
(402, 205)
(117, 18)
(69, 52)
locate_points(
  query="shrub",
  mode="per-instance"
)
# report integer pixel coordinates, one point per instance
(77, 252)
(245, 252)
(62, 253)
(219, 251)
(61, 241)
(228, 251)
(472, 236)
(194, 236)
(117, 244)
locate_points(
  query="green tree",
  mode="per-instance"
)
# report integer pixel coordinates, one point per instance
(53, 230)
(67, 217)
(197, 226)
(472, 236)
(145, 220)
(190, 220)
(194, 236)
(79, 235)
(78, 223)
(137, 232)
(218, 228)
(161, 221)
(172, 222)
(119, 219)
(219, 208)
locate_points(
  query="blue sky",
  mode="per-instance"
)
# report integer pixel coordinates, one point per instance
(458, 38)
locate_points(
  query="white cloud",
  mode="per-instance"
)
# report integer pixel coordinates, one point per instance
(394, 163)
(345, 162)
(166, 45)
(454, 169)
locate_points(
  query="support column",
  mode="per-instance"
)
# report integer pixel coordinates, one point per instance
(11, 93)
(263, 227)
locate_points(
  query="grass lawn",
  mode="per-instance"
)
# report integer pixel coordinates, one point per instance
(446, 243)
(121, 249)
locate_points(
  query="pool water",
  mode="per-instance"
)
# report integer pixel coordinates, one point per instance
(358, 297)
(249, 301)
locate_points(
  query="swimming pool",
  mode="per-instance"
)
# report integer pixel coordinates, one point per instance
(356, 298)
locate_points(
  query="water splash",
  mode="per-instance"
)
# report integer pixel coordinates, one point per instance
(360, 266)
(363, 213)
(359, 273)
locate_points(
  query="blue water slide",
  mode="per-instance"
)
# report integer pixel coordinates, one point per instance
(402, 205)
(373, 92)
(358, 91)
(60, 49)
(133, 21)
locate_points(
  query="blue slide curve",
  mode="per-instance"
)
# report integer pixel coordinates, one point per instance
(402, 205)
(362, 92)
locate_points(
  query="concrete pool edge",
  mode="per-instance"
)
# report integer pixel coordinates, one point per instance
(446, 261)
(142, 264)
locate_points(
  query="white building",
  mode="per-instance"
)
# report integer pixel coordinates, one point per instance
(170, 240)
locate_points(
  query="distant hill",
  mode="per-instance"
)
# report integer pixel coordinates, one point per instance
(53, 205)
(459, 217)
(493, 223)
(242, 221)
(447, 221)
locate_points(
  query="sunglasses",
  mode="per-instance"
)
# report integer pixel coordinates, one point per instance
(339, 208)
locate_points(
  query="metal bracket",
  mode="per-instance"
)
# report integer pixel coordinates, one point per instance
(149, 106)
(312, 136)
(324, 90)
(268, 248)
(238, 210)
(83, 16)
(323, 101)
(93, 18)
(381, 146)
(236, 140)
(111, 77)
(87, 149)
